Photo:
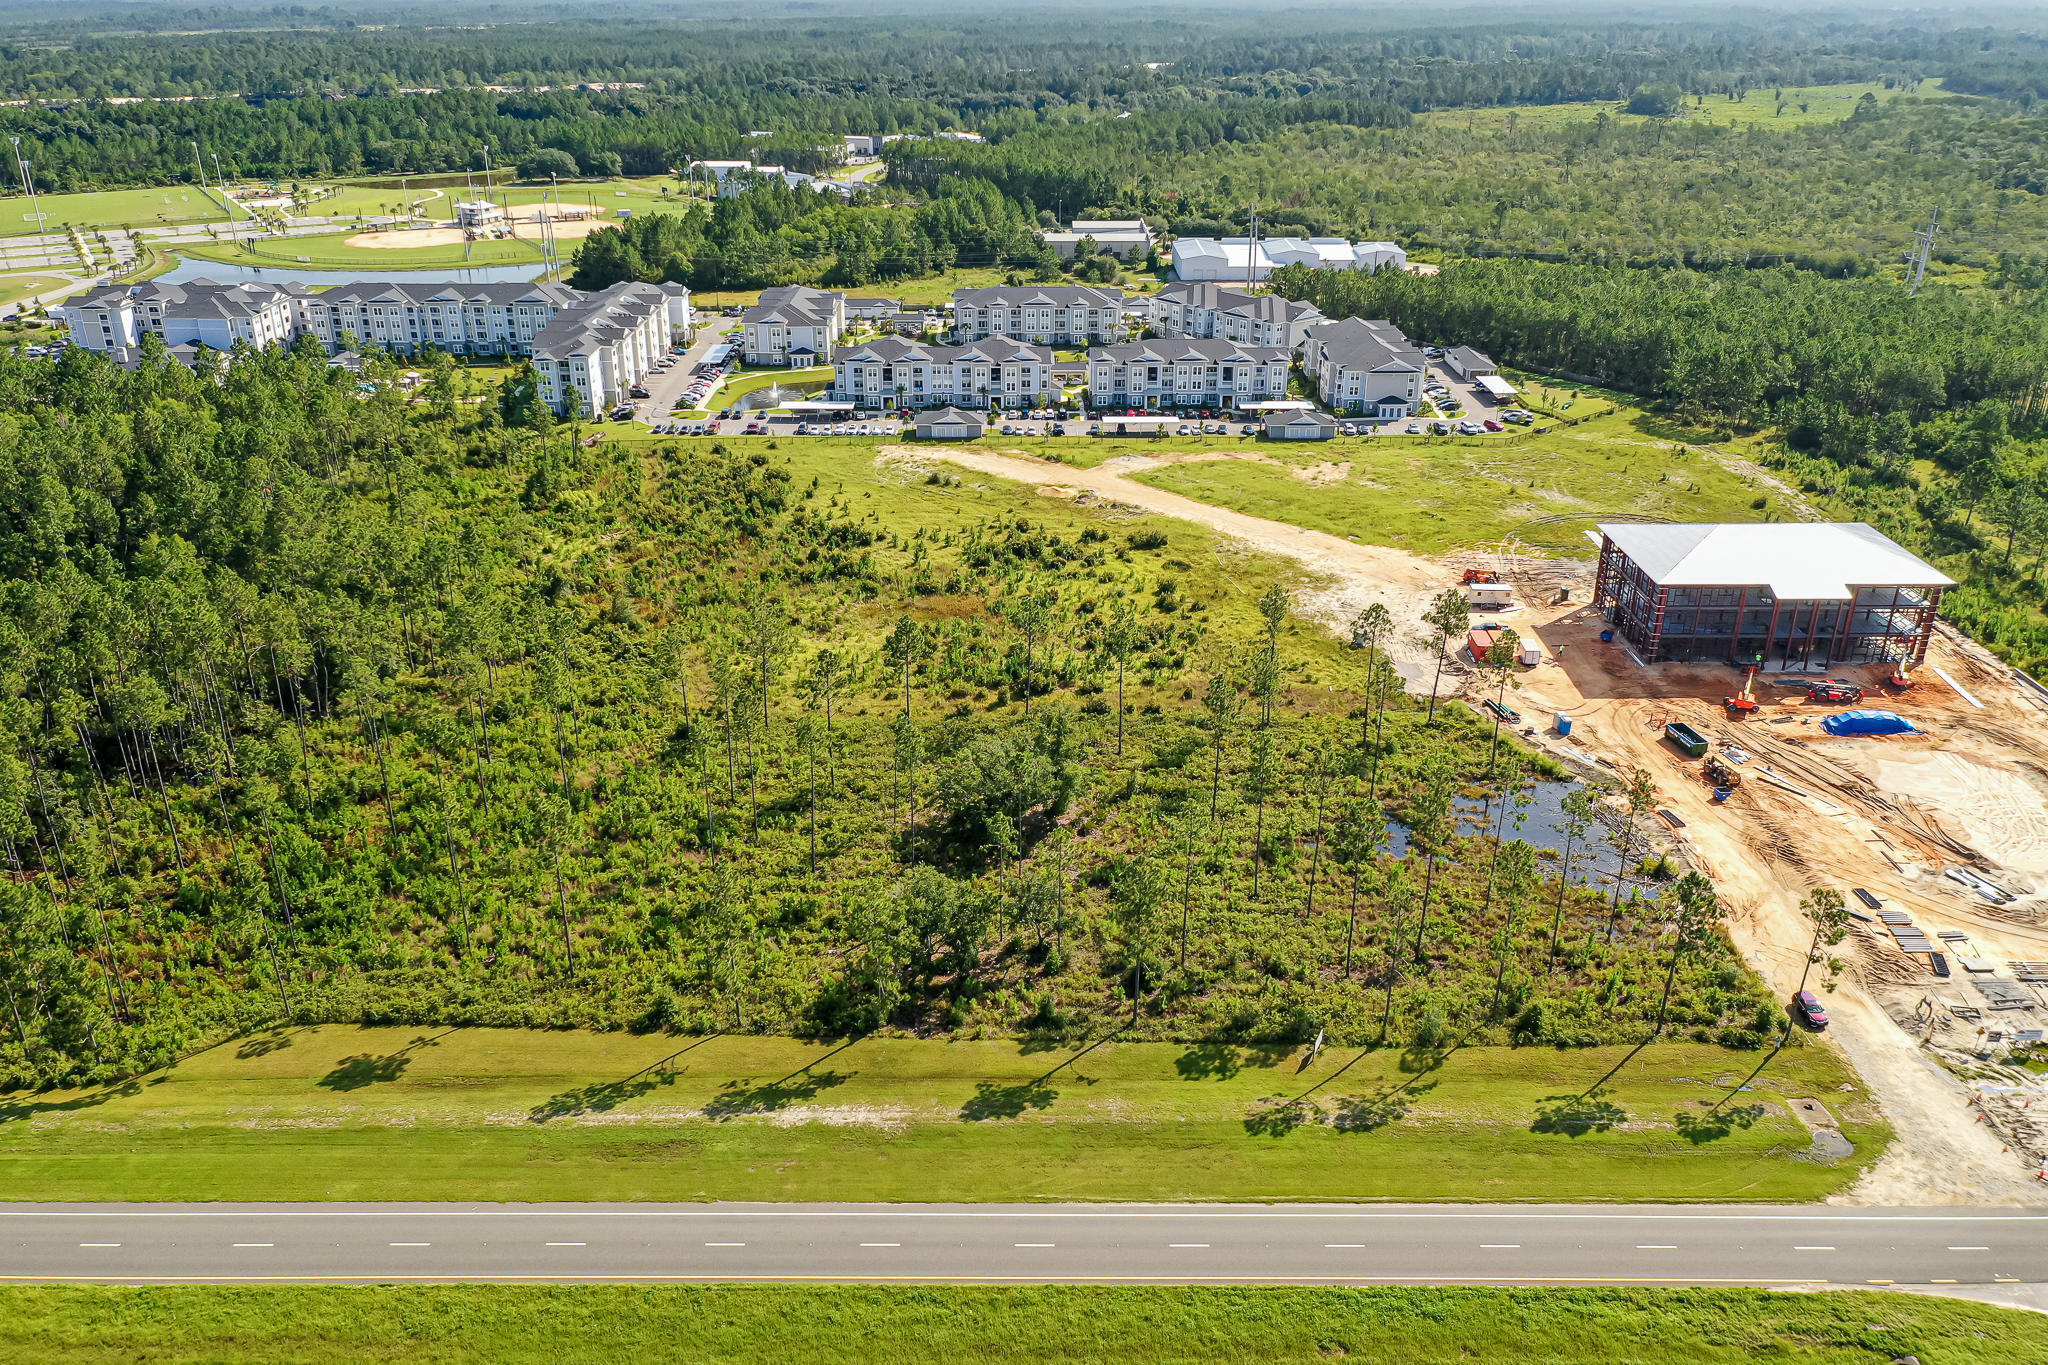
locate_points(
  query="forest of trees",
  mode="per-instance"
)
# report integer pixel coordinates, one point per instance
(772, 234)
(320, 705)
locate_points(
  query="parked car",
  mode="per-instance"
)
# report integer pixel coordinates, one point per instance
(1346, 429)
(1414, 428)
(1810, 1011)
(1470, 429)
(638, 391)
(1439, 428)
(1492, 425)
(623, 413)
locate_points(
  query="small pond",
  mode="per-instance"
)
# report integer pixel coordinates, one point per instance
(1593, 858)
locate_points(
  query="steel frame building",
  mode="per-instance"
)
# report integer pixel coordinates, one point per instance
(1780, 595)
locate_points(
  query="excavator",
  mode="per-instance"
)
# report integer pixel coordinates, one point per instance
(1742, 703)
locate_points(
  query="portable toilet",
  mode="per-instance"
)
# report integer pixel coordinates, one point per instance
(1563, 723)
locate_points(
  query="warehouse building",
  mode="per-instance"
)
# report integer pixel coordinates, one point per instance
(1780, 595)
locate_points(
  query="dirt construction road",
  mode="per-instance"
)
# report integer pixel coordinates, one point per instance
(1890, 815)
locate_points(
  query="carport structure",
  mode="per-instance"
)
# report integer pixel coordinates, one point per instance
(1781, 595)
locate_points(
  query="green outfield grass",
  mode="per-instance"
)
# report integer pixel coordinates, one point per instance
(330, 252)
(874, 1325)
(340, 1112)
(17, 287)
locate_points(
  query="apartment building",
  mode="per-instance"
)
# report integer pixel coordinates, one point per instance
(1183, 372)
(593, 353)
(462, 319)
(1126, 238)
(1207, 309)
(1045, 315)
(1240, 259)
(113, 321)
(793, 325)
(1366, 368)
(898, 372)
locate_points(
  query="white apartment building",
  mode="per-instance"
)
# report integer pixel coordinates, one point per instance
(593, 353)
(462, 319)
(1126, 238)
(1207, 309)
(1367, 368)
(1046, 315)
(114, 320)
(1239, 259)
(1185, 372)
(896, 372)
(793, 325)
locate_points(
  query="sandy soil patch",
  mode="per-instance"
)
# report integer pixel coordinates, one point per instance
(2003, 814)
(406, 239)
(1330, 471)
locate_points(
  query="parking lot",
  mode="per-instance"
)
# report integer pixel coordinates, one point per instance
(872, 424)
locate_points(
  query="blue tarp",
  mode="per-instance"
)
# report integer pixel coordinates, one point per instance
(1868, 723)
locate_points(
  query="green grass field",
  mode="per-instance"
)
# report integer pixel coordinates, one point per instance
(1436, 494)
(339, 1112)
(330, 252)
(15, 287)
(547, 1325)
(1823, 104)
(111, 208)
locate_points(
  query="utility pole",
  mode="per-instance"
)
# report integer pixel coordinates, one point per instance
(1923, 247)
(1251, 253)
(487, 174)
(222, 182)
(28, 187)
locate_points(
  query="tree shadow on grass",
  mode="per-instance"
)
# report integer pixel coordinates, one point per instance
(1222, 1061)
(1345, 1114)
(601, 1096)
(994, 1101)
(1716, 1123)
(15, 1110)
(276, 1040)
(354, 1073)
(739, 1100)
(1577, 1115)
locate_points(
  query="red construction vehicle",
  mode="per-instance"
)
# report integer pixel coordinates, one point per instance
(1481, 576)
(1833, 689)
(1743, 702)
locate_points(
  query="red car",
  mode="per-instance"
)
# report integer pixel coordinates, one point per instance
(1809, 1007)
(1492, 425)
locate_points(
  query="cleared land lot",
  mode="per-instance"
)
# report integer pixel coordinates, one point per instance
(430, 1113)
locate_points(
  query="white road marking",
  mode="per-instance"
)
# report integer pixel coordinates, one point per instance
(1969, 1248)
(725, 1244)
(1343, 1246)
(1813, 1248)
(881, 1244)
(1186, 1246)
(1500, 1246)
(412, 1244)
(1031, 1244)
(99, 1244)
(567, 1244)
(255, 1244)
(1654, 1246)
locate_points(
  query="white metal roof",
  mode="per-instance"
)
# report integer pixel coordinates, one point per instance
(1817, 561)
(1495, 385)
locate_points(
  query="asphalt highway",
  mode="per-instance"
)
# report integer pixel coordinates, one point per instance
(1050, 1243)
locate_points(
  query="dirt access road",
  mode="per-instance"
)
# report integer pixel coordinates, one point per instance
(1889, 815)
(1348, 575)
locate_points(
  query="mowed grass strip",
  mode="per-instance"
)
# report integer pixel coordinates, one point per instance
(512, 1324)
(338, 1112)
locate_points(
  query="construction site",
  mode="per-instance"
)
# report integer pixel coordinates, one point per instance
(1936, 834)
